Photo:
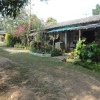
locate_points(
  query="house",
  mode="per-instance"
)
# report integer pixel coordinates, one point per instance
(70, 32)
(32, 35)
(2, 35)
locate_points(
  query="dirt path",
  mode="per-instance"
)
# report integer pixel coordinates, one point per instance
(45, 83)
(12, 50)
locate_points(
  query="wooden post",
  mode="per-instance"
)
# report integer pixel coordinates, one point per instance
(79, 35)
(66, 41)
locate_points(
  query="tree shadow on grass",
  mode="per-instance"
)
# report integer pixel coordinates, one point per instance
(27, 77)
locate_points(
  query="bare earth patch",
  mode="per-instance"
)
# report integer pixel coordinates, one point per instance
(45, 83)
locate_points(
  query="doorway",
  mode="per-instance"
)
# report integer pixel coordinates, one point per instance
(89, 35)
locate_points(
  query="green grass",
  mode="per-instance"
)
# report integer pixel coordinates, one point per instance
(43, 76)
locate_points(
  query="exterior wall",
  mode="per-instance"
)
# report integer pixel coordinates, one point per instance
(73, 36)
(2, 35)
(97, 35)
(2, 38)
(62, 37)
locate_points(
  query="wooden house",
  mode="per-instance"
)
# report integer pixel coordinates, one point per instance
(70, 32)
(2, 35)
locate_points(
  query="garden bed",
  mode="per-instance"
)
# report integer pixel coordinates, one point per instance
(40, 54)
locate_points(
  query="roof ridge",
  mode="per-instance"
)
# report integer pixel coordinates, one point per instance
(75, 21)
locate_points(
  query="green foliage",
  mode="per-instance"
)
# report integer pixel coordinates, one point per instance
(79, 46)
(19, 46)
(20, 26)
(50, 21)
(9, 40)
(32, 46)
(38, 46)
(96, 11)
(91, 66)
(56, 52)
(35, 46)
(35, 22)
(11, 7)
(89, 52)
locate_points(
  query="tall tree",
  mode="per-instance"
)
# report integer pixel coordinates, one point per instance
(9, 24)
(50, 21)
(12, 7)
(96, 11)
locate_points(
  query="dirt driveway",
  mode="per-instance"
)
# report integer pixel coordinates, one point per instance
(18, 82)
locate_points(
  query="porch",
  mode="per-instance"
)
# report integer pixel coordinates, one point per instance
(70, 32)
(70, 36)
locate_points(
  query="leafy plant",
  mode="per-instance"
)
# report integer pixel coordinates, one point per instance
(56, 52)
(89, 52)
(19, 46)
(38, 46)
(9, 40)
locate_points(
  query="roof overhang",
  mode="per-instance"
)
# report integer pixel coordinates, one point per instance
(2, 32)
(74, 28)
(82, 21)
(32, 34)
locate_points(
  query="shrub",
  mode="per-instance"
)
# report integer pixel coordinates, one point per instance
(48, 49)
(9, 40)
(37, 46)
(89, 52)
(56, 52)
(19, 46)
(31, 46)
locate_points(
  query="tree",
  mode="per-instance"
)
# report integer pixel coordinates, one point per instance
(96, 11)
(22, 30)
(9, 24)
(35, 23)
(20, 26)
(12, 7)
(50, 21)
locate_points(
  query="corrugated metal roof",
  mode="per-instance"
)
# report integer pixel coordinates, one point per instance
(32, 34)
(75, 28)
(2, 32)
(90, 19)
(62, 29)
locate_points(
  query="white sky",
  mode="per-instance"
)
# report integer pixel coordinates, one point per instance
(63, 10)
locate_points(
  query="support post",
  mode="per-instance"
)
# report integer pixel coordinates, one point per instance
(66, 41)
(79, 35)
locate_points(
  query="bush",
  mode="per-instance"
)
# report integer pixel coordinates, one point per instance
(37, 46)
(19, 46)
(91, 66)
(48, 49)
(89, 52)
(56, 52)
(9, 40)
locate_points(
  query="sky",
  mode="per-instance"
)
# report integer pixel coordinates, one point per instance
(63, 10)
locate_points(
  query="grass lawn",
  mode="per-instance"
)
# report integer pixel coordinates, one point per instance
(27, 77)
